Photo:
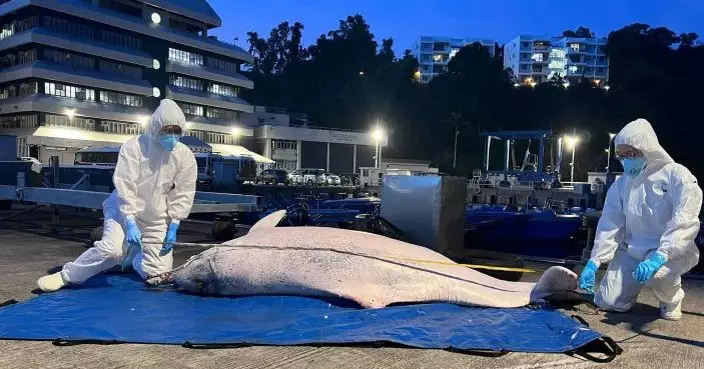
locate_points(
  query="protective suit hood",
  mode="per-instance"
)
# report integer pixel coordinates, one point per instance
(167, 114)
(640, 134)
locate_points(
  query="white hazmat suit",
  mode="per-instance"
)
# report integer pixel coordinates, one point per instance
(655, 211)
(154, 187)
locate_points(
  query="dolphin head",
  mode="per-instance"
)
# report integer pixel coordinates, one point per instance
(196, 275)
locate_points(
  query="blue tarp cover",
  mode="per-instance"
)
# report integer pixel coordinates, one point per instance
(116, 307)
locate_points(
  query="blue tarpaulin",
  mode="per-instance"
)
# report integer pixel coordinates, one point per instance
(118, 308)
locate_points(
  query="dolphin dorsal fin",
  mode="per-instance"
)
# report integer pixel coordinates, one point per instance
(269, 221)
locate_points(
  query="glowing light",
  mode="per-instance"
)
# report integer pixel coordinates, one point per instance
(236, 131)
(566, 84)
(156, 64)
(361, 72)
(378, 134)
(70, 113)
(571, 141)
(143, 120)
(607, 87)
(156, 92)
(597, 81)
(533, 84)
(612, 135)
(156, 18)
(516, 84)
(416, 75)
(607, 151)
(189, 125)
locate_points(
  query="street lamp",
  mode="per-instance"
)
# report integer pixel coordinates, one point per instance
(572, 141)
(608, 152)
(378, 135)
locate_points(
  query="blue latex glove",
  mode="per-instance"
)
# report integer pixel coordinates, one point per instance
(587, 279)
(170, 238)
(647, 269)
(133, 235)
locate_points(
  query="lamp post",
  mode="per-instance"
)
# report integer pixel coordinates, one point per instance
(572, 141)
(378, 135)
(454, 155)
(608, 152)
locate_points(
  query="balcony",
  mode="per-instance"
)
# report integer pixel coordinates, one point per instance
(208, 99)
(56, 72)
(207, 125)
(94, 13)
(81, 108)
(209, 73)
(51, 38)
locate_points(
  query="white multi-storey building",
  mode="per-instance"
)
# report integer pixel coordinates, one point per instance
(435, 52)
(535, 59)
(575, 59)
(79, 73)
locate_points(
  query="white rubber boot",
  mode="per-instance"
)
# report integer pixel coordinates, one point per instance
(671, 311)
(51, 282)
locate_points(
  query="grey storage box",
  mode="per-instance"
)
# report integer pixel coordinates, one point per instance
(430, 210)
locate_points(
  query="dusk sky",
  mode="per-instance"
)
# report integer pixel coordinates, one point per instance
(405, 20)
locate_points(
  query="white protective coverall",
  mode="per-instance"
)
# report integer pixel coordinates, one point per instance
(153, 186)
(656, 211)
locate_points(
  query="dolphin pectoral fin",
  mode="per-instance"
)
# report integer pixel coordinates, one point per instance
(269, 221)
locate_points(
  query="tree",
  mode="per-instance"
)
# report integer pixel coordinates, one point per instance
(581, 32)
(688, 39)
(346, 79)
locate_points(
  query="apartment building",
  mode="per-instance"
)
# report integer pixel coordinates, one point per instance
(435, 52)
(537, 58)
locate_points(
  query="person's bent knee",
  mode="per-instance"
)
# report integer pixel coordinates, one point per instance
(109, 250)
(609, 302)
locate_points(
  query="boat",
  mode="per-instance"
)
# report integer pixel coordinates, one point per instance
(526, 230)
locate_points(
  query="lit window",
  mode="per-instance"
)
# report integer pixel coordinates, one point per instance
(537, 57)
(437, 58)
(224, 90)
(190, 109)
(62, 90)
(185, 56)
(453, 52)
(574, 47)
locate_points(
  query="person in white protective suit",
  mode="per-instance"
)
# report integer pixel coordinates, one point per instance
(647, 228)
(155, 181)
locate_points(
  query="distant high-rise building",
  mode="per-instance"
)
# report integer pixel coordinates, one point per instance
(434, 53)
(535, 59)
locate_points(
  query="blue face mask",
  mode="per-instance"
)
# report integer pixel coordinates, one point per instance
(633, 166)
(168, 141)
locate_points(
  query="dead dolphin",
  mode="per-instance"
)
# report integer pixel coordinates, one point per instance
(372, 270)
